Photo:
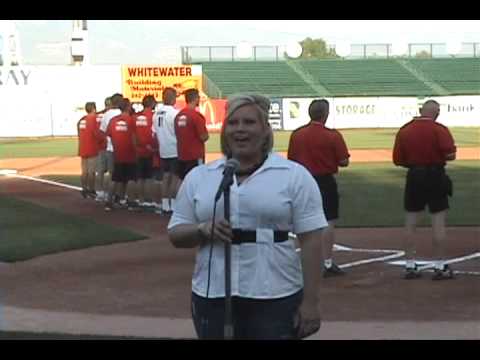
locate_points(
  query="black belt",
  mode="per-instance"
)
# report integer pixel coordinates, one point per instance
(250, 236)
(323, 176)
(427, 167)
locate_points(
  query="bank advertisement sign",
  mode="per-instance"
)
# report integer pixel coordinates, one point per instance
(382, 112)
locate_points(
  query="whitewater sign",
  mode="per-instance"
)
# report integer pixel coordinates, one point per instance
(138, 81)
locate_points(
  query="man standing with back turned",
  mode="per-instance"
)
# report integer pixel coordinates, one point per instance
(164, 129)
(424, 146)
(321, 150)
(192, 133)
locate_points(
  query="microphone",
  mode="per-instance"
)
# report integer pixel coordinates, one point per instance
(230, 167)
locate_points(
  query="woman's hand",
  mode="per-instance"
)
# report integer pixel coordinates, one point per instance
(222, 231)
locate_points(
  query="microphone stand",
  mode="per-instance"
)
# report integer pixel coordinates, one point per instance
(228, 323)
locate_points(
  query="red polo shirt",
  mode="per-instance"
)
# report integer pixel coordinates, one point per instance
(318, 148)
(121, 130)
(423, 142)
(189, 126)
(143, 121)
(87, 136)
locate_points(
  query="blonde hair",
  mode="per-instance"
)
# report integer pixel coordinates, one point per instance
(259, 102)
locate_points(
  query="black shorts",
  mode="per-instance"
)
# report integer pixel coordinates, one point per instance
(170, 165)
(157, 173)
(145, 167)
(330, 197)
(184, 166)
(427, 186)
(124, 172)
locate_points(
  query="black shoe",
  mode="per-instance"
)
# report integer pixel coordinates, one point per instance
(132, 206)
(84, 193)
(92, 194)
(333, 270)
(108, 206)
(412, 273)
(445, 274)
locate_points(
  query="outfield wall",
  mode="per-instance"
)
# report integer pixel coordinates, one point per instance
(49, 101)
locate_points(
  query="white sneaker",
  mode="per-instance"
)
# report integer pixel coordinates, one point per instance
(158, 208)
(100, 196)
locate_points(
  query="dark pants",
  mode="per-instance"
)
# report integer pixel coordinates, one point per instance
(124, 172)
(145, 168)
(184, 166)
(252, 318)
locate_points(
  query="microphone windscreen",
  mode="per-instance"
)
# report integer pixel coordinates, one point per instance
(233, 164)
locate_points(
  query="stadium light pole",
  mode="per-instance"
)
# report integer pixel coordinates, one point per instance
(293, 49)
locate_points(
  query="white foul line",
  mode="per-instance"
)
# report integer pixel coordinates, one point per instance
(451, 261)
(45, 181)
(7, 172)
(371, 260)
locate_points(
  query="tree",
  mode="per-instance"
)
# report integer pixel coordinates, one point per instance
(423, 55)
(316, 49)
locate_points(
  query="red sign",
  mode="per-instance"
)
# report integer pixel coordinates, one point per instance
(212, 109)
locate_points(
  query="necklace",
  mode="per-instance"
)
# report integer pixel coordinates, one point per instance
(250, 170)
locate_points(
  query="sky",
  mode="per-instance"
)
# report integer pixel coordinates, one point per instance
(159, 41)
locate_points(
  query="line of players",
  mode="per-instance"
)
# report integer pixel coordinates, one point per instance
(137, 160)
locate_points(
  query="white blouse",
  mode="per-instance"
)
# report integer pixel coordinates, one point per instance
(280, 196)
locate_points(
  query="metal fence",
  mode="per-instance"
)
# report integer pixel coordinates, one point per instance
(195, 54)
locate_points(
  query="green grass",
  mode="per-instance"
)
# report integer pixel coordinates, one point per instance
(28, 230)
(385, 138)
(371, 194)
(355, 139)
(41, 147)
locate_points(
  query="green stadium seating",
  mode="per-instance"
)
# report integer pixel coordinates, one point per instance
(458, 76)
(368, 77)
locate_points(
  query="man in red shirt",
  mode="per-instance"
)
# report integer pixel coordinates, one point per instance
(89, 139)
(424, 146)
(122, 132)
(145, 148)
(321, 150)
(192, 133)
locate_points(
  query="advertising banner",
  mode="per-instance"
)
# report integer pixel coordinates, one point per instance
(463, 110)
(49, 100)
(372, 112)
(295, 112)
(382, 112)
(275, 115)
(141, 80)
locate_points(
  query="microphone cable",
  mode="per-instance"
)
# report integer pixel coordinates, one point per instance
(211, 247)
(232, 164)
